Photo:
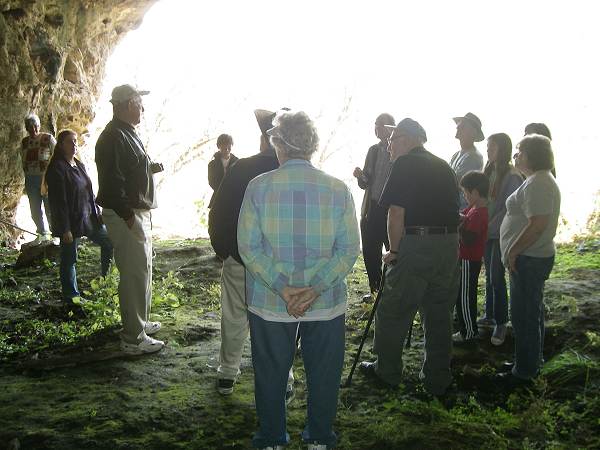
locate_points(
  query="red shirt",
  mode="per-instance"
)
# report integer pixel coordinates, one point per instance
(476, 221)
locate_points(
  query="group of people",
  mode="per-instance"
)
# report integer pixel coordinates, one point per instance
(288, 235)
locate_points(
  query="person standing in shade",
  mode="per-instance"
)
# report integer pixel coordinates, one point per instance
(504, 180)
(36, 151)
(298, 238)
(468, 131)
(422, 264)
(527, 244)
(127, 194)
(222, 160)
(373, 217)
(74, 211)
(222, 229)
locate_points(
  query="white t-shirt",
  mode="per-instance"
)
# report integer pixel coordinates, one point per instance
(537, 196)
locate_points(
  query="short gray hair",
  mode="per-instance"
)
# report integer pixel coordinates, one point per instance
(31, 119)
(294, 134)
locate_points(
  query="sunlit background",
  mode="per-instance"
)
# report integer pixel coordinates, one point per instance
(208, 65)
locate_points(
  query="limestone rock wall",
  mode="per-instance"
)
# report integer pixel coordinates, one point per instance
(52, 59)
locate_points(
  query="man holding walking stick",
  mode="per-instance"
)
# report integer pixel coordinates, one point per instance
(422, 196)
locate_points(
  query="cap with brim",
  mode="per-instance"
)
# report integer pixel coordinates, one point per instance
(473, 120)
(410, 127)
(125, 92)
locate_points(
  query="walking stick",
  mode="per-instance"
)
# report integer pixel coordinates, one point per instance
(366, 332)
(18, 228)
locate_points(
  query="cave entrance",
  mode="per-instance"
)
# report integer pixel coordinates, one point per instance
(208, 65)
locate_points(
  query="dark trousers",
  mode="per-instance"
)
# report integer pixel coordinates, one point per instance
(273, 348)
(373, 233)
(466, 304)
(496, 297)
(68, 258)
(527, 312)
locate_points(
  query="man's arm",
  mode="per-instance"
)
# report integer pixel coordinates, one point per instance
(395, 229)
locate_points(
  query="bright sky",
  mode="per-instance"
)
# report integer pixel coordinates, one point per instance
(210, 64)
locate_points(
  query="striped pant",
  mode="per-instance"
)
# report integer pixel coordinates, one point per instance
(466, 304)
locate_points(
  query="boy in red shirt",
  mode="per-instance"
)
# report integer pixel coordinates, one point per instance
(473, 235)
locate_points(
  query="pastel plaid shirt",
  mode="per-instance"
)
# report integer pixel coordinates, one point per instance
(297, 227)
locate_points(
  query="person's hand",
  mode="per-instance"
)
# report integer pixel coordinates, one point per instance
(67, 237)
(130, 222)
(357, 172)
(389, 258)
(512, 261)
(289, 292)
(299, 303)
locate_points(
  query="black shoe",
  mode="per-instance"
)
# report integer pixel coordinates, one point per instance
(225, 386)
(367, 368)
(509, 381)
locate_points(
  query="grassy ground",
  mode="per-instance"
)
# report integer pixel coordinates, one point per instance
(64, 384)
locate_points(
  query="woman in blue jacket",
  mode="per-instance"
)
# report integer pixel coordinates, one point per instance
(74, 211)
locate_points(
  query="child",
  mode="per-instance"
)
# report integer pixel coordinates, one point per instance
(473, 236)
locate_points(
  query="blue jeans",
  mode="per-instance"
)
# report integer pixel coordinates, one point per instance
(33, 186)
(496, 297)
(527, 311)
(68, 258)
(273, 349)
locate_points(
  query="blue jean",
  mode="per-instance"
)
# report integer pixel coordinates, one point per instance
(527, 313)
(33, 186)
(496, 297)
(273, 349)
(68, 258)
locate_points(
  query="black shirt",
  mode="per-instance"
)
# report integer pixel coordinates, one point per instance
(425, 186)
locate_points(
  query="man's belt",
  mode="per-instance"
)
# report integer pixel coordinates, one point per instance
(425, 230)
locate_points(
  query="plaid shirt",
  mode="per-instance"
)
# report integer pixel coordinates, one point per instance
(297, 227)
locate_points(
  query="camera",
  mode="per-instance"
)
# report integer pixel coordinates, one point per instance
(156, 167)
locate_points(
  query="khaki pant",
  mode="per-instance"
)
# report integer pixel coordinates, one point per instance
(234, 318)
(133, 257)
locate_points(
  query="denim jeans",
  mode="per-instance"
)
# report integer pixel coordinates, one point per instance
(273, 349)
(33, 186)
(68, 258)
(496, 297)
(527, 312)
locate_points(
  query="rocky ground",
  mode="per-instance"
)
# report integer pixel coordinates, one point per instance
(64, 384)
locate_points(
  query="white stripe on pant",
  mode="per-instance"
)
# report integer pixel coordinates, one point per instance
(133, 257)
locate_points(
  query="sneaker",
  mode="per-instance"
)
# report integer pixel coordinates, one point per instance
(498, 335)
(225, 386)
(289, 394)
(367, 298)
(152, 327)
(316, 447)
(277, 447)
(458, 338)
(148, 345)
(484, 322)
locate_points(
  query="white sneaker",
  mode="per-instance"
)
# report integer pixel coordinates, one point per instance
(498, 335)
(152, 327)
(148, 345)
(316, 447)
(277, 447)
(457, 337)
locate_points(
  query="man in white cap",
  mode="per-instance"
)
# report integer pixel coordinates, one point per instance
(468, 131)
(126, 191)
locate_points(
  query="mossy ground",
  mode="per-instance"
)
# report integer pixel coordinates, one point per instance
(65, 385)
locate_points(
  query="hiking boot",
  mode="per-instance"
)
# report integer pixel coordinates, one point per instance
(225, 386)
(148, 345)
(484, 322)
(498, 335)
(152, 327)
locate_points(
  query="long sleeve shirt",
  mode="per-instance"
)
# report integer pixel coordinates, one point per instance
(463, 162)
(297, 227)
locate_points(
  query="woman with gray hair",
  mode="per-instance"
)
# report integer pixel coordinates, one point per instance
(36, 151)
(527, 245)
(298, 238)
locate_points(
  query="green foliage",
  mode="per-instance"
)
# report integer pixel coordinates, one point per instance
(164, 291)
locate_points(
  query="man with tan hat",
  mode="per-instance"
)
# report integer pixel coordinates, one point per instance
(222, 228)
(126, 191)
(468, 131)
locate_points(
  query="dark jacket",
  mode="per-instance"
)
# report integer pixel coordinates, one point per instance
(216, 172)
(125, 179)
(223, 216)
(366, 181)
(71, 198)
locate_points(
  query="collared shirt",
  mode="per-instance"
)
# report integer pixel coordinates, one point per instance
(462, 162)
(297, 227)
(36, 153)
